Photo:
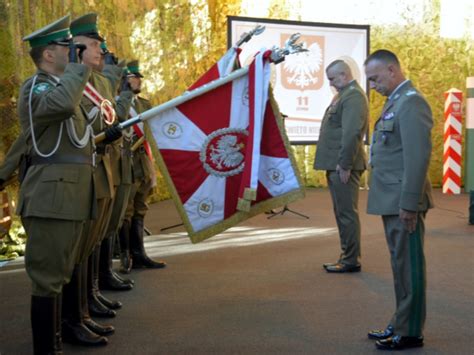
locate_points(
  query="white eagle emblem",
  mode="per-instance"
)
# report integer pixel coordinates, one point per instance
(226, 153)
(223, 152)
(302, 67)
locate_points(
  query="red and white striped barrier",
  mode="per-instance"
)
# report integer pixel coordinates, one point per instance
(452, 142)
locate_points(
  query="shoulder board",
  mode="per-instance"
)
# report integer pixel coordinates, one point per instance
(41, 87)
(411, 92)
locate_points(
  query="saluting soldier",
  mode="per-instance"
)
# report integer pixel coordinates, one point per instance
(56, 195)
(400, 192)
(109, 279)
(98, 103)
(132, 247)
(341, 153)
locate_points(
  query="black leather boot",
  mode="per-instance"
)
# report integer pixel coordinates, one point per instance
(58, 341)
(96, 307)
(86, 318)
(139, 258)
(43, 325)
(124, 239)
(107, 279)
(74, 330)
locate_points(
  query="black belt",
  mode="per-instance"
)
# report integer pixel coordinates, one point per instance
(61, 159)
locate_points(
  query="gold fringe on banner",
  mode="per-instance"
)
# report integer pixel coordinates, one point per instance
(250, 194)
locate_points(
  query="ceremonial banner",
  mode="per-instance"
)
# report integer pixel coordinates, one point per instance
(224, 154)
(299, 83)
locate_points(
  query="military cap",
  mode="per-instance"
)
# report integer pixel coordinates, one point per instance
(86, 25)
(54, 33)
(134, 69)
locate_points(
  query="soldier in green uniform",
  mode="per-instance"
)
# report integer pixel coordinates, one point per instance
(133, 252)
(341, 153)
(108, 278)
(56, 195)
(400, 192)
(97, 102)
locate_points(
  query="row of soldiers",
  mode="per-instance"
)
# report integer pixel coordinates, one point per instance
(77, 193)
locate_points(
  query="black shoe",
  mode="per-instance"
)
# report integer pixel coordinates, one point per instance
(340, 268)
(109, 282)
(137, 248)
(98, 328)
(97, 309)
(381, 334)
(79, 334)
(398, 342)
(141, 261)
(123, 279)
(325, 265)
(112, 304)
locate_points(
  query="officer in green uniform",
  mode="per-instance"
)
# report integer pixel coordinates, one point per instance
(109, 279)
(133, 252)
(97, 102)
(56, 195)
(341, 153)
(400, 192)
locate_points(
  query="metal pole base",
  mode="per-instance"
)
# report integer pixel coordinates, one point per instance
(286, 209)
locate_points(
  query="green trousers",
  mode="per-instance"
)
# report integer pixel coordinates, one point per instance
(50, 253)
(409, 275)
(345, 199)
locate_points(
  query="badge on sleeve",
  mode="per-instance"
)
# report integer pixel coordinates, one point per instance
(388, 116)
(41, 87)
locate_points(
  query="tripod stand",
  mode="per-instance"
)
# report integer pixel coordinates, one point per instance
(286, 209)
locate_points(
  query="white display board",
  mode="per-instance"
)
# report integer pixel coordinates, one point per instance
(299, 83)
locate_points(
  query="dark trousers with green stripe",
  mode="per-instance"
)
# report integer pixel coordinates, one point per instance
(409, 275)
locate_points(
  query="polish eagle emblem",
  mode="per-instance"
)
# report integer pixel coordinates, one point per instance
(301, 69)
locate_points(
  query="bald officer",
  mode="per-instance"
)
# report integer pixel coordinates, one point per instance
(341, 153)
(400, 192)
(56, 196)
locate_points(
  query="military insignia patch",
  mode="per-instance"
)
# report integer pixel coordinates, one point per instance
(388, 116)
(41, 87)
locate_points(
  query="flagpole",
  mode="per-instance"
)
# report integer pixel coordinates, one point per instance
(178, 100)
(276, 57)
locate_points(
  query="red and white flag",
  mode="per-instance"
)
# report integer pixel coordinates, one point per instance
(224, 154)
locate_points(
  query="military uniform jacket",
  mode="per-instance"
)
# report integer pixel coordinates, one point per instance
(107, 173)
(60, 191)
(400, 155)
(12, 159)
(342, 130)
(143, 167)
(120, 153)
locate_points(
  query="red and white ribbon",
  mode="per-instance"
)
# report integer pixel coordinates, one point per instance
(105, 106)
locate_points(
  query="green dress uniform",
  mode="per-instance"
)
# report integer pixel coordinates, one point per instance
(56, 195)
(143, 171)
(399, 159)
(341, 143)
